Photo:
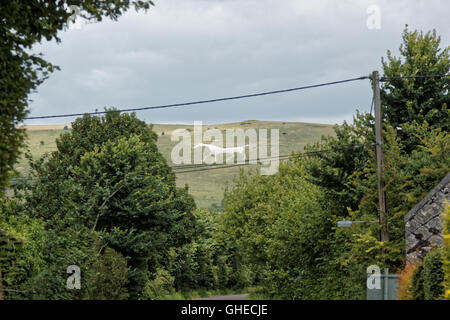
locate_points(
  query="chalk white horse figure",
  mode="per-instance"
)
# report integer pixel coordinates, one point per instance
(218, 151)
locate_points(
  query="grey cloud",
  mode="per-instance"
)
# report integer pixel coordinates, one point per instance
(185, 50)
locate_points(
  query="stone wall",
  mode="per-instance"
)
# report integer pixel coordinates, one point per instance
(423, 223)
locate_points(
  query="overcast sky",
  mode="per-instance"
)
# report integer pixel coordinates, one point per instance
(184, 50)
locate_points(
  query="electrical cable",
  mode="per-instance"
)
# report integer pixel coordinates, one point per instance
(201, 101)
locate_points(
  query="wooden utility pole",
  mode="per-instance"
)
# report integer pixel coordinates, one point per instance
(380, 159)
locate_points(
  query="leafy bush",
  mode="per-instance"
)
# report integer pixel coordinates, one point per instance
(405, 282)
(433, 275)
(428, 277)
(275, 228)
(446, 251)
(22, 240)
(34, 260)
(202, 263)
(160, 285)
(23, 25)
(420, 100)
(106, 278)
(108, 176)
(417, 283)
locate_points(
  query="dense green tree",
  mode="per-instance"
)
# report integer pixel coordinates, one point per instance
(417, 283)
(414, 100)
(446, 251)
(283, 233)
(107, 175)
(427, 282)
(34, 258)
(283, 226)
(22, 240)
(405, 100)
(408, 178)
(416, 85)
(335, 159)
(433, 275)
(25, 23)
(202, 263)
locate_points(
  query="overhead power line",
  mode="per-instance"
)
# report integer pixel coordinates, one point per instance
(197, 165)
(298, 155)
(233, 97)
(223, 166)
(205, 167)
(201, 101)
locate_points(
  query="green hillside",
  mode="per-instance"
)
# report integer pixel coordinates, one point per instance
(206, 186)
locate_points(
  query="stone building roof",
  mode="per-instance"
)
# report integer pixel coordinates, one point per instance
(428, 197)
(423, 223)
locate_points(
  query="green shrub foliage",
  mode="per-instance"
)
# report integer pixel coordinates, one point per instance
(446, 250)
(25, 24)
(108, 176)
(106, 200)
(433, 275)
(427, 280)
(417, 283)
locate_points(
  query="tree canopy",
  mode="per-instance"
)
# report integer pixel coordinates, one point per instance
(108, 176)
(282, 229)
(416, 85)
(25, 23)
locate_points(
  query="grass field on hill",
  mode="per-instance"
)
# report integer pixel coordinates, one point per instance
(206, 186)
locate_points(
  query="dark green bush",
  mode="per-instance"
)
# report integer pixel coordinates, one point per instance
(433, 275)
(202, 263)
(159, 286)
(417, 283)
(108, 176)
(427, 280)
